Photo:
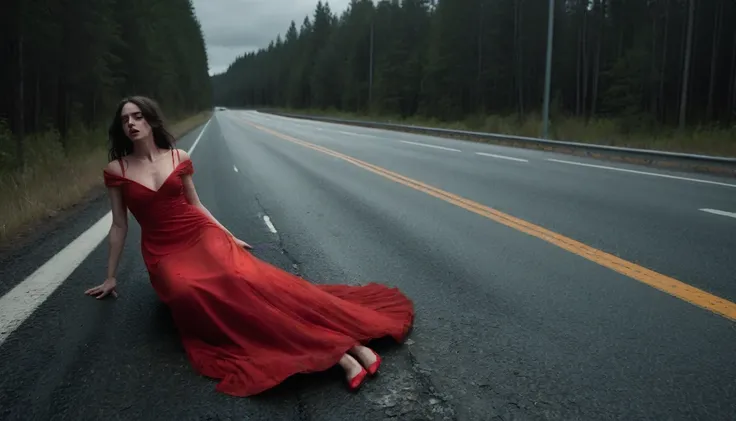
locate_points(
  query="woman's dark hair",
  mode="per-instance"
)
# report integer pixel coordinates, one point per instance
(121, 145)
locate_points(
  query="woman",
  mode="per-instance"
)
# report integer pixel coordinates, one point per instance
(241, 320)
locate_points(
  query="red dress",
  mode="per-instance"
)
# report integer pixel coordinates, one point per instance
(242, 320)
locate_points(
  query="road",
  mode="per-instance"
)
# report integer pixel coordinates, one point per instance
(584, 293)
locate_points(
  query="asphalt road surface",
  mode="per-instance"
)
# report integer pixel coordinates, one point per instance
(594, 319)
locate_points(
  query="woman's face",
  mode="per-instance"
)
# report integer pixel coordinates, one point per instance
(135, 125)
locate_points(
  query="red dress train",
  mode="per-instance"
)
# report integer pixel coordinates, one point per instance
(242, 320)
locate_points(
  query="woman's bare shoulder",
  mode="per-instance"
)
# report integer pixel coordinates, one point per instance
(183, 155)
(113, 167)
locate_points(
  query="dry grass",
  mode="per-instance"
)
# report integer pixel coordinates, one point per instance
(52, 182)
(637, 134)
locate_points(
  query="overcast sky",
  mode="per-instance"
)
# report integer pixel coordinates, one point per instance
(233, 27)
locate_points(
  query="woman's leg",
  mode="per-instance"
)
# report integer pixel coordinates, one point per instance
(350, 365)
(354, 372)
(366, 356)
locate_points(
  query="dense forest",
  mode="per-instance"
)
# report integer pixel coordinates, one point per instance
(647, 62)
(66, 64)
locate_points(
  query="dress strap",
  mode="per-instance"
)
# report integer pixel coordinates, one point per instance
(178, 157)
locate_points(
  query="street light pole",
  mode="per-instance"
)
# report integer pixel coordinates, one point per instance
(548, 72)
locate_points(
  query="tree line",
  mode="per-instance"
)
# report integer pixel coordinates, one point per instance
(653, 62)
(67, 63)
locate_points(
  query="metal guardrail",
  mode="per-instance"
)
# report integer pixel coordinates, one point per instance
(706, 163)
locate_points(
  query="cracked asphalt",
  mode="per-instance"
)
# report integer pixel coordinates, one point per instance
(508, 327)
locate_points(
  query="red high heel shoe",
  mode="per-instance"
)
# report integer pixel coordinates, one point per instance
(355, 383)
(373, 368)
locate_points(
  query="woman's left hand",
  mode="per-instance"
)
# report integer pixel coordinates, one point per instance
(243, 244)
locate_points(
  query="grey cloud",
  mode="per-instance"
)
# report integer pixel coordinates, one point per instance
(234, 27)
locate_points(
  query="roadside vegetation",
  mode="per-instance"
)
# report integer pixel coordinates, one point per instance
(54, 180)
(657, 74)
(713, 140)
(65, 67)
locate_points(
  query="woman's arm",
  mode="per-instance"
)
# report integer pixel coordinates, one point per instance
(118, 230)
(116, 239)
(193, 198)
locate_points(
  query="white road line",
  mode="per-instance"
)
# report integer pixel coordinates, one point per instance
(235, 168)
(501, 157)
(643, 173)
(20, 302)
(270, 226)
(356, 134)
(196, 141)
(720, 212)
(431, 146)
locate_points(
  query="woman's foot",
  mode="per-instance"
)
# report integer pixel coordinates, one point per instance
(354, 372)
(368, 358)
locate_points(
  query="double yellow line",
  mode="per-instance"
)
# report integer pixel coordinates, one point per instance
(661, 282)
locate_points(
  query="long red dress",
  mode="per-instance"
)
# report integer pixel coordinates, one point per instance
(242, 320)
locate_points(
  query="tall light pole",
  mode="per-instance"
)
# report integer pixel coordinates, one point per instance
(548, 72)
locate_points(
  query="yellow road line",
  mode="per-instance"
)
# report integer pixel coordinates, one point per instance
(654, 279)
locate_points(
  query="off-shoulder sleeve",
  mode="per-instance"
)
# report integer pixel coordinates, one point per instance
(112, 180)
(187, 167)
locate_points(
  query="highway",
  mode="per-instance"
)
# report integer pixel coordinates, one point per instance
(547, 287)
